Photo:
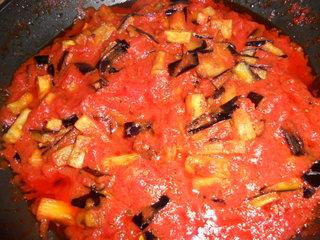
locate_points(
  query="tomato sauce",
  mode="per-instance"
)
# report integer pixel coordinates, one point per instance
(169, 120)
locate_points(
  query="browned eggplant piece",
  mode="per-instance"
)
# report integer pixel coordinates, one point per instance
(294, 142)
(207, 120)
(218, 92)
(105, 64)
(188, 62)
(94, 195)
(70, 121)
(308, 192)
(134, 128)
(256, 43)
(84, 68)
(255, 98)
(258, 71)
(62, 60)
(149, 236)
(144, 218)
(148, 35)
(101, 83)
(126, 18)
(202, 48)
(312, 176)
(50, 70)
(41, 59)
(93, 172)
(232, 49)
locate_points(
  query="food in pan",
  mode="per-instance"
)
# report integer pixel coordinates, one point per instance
(168, 120)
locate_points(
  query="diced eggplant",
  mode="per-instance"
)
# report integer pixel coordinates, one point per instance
(161, 203)
(61, 156)
(243, 71)
(126, 21)
(70, 121)
(148, 35)
(255, 98)
(196, 105)
(232, 49)
(134, 128)
(141, 220)
(42, 59)
(159, 65)
(93, 195)
(19, 105)
(256, 43)
(144, 218)
(15, 131)
(312, 176)
(316, 166)
(62, 60)
(44, 84)
(170, 11)
(50, 70)
(249, 52)
(149, 236)
(292, 184)
(207, 120)
(259, 72)
(55, 210)
(122, 160)
(54, 124)
(223, 147)
(35, 159)
(93, 172)
(131, 129)
(294, 142)
(224, 26)
(265, 199)
(308, 192)
(243, 125)
(218, 92)
(103, 32)
(77, 156)
(178, 36)
(202, 48)
(67, 43)
(188, 62)
(269, 47)
(84, 68)
(230, 106)
(105, 64)
(101, 83)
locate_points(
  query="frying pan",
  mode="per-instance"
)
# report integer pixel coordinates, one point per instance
(28, 25)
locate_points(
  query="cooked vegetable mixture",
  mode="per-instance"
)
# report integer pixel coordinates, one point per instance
(168, 120)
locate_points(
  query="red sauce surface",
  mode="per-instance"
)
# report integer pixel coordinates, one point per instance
(219, 211)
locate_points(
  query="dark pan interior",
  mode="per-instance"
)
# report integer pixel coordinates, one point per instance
(28, 25)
